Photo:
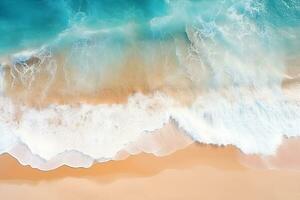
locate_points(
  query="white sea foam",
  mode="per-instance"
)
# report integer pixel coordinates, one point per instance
(78, 136)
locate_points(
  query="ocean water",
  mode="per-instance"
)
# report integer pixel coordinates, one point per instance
(85, 81)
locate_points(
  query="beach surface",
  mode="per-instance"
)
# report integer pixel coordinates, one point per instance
(196, 172)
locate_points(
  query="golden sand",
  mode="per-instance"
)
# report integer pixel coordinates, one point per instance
(197, 172)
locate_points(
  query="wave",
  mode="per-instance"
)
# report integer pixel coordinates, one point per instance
(100, 91)
(255, 124)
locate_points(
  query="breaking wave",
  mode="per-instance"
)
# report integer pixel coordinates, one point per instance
(105, 85)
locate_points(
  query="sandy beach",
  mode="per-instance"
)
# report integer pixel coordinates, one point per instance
(196, 172)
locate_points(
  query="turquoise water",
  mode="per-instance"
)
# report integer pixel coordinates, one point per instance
(27, 24)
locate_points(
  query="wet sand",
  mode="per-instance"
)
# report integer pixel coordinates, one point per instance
(55, 81)
(196, 172)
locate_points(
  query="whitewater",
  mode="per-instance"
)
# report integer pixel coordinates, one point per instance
(111, 80)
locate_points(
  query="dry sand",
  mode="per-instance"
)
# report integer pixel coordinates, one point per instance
(196, 172)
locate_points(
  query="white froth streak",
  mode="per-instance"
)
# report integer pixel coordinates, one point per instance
(7, 140)
(252, 124)
(98, 131)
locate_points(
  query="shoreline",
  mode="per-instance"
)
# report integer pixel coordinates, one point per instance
(194, 172)
(133, 165)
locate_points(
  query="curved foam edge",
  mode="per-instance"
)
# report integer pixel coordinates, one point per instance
(161, 142)
(286, 157)
(252, 124)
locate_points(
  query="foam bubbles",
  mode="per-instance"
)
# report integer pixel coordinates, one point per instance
(56, 135)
